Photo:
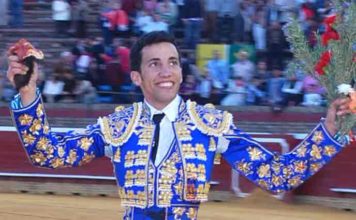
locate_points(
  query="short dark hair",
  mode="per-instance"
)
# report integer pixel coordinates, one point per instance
(154, 37)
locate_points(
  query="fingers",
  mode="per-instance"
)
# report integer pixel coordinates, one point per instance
(15, 67)
(342, 106)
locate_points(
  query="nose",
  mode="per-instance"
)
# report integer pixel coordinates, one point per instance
(166, 71)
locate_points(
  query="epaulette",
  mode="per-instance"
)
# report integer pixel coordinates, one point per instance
(118, 127)
(208, 119)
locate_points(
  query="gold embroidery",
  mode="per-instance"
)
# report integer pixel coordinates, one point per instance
(36, 126)
(28, 138)
(61, 151)
(255, 153)
(46, 128)
(220, 125)
(315, 153)
(318, 137)
(178, 212)
(192, 213)
(57, 162)
(140, 178)
(244, 167)
(129, 178)
(141, 158)
(276, 167)
(179, 188)
(188, 151)
(164, 197)
(25, 119)
(264, 171)
(117, 155)
(39, 110)
(200, 152)
(145, 134)
(295, 181)
(217, 159)
(42, 143)
(300, 166)
(277, 180)
(191, 171)
(315, 167)
(38, 158)
(108, 132)
(72, 157)
(212, 144)
(329, 150)
(129, 159)
(201, 172)
(119, 108)
(287, 172)
(263, 184)
(85, 143)
(302, 150)
(183, 131)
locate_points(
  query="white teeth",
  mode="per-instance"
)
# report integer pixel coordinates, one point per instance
(165, 84)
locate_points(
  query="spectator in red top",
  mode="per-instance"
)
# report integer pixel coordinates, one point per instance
(122, 52)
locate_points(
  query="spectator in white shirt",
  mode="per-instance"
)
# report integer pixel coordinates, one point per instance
(243, 67)
(61, 14)
(53, 88)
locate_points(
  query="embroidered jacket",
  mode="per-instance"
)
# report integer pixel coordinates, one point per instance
(182, 178)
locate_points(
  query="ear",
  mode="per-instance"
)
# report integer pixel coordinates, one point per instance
(136, 78)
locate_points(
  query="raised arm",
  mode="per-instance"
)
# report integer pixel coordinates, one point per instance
(46, 148)
(276, 172)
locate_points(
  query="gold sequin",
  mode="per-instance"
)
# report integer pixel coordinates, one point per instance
(315, 153)
(117, 156)
(220, 125)
(57, 162)
(28, 138)
(85, 143)
(212, 144)
(192, 213)
(255, 153)
(25, 119)
(39, 110)
(61, 151)
(123, 137)
(38, 158)
(36, 126)
(329, 150)
(295, 181)
(72, 157)
(302, 150)
(244, 167)
(178, 212)
(183, 131)
(300, 166)
(318, 137)
(264, 171)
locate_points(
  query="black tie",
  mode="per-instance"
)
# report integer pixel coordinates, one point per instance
(157, 118)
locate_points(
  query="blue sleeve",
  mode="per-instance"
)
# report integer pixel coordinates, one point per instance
(280, 172)
(50, 149)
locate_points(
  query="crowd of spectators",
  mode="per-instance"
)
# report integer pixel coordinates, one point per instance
(101, 64)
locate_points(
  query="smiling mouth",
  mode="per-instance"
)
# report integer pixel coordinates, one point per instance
(165, 84)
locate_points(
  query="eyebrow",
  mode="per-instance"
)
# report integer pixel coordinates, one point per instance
(158, 59)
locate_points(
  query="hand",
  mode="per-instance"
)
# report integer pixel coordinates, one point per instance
(28, 92)
(339, 107)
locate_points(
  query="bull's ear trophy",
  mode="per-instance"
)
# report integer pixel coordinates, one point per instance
(28, 55)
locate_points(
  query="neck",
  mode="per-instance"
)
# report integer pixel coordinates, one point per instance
(158, 105)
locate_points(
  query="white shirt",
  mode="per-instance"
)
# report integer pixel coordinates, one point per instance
(61, 11)
(166, 133)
